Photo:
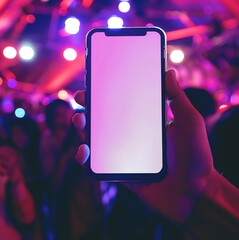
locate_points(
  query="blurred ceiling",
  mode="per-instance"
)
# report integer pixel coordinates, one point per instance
(42, 22)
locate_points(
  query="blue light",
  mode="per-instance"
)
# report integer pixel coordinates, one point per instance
(19, 112)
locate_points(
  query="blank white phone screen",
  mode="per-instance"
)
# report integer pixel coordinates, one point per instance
(126, 104)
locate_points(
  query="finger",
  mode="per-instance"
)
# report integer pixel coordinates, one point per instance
(80, 97)
(83, 154)
(179, 103)
(79, 121)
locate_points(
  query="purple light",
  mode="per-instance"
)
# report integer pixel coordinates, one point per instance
(7, 105)
(11, 83)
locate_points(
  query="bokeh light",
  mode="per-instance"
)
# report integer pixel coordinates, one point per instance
(223, 107)
(20, 113)
(62, 94)
(75, 105)
(124, 6)
(11, 83)
(115, 22)
(234, 99)
(177, 56)
(7, 105)
(1, 81)
(72, 25)
(70, 54)
(9, 52)
(27, 52)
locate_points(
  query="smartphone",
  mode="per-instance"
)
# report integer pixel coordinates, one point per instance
(125, 103)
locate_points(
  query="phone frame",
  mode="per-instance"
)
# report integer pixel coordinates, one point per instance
(126, 31)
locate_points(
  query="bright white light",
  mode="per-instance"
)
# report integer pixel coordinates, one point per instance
(70, 54)
(26, 53)
(75, 105)
(124, 6)
(177, 56)
(72, 25)
(20, 113)
(9, 52)
(115, 22)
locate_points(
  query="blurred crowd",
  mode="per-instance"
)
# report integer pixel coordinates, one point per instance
(45, 194)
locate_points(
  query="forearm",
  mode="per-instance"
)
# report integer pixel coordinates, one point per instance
(216, 213)
(22, 202)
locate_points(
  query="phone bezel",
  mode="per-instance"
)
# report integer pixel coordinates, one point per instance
(127, 31)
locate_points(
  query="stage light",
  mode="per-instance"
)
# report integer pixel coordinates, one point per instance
(27, 53)
(62, 94)
(70, 54)
(124, 6)
(9, 52)
(115, 22)
(177, 56)
(12, 83)
(72, 25)
(20, 113)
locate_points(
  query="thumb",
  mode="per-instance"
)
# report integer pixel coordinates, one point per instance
(178, 101)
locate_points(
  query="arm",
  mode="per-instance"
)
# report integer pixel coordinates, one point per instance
(21, 200)
(22, 203)
(216, 212)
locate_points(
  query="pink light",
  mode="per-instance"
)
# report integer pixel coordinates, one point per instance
(234, 99)
(223, 107)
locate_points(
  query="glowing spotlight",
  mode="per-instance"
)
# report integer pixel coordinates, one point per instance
(177, 56)
(1, 81)
(115, 22)
(26, 52)
(9, 52)
(20, 113)
(124, 6)
(62, 94)
(72, 25)
(70, 54)
(12, 83)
